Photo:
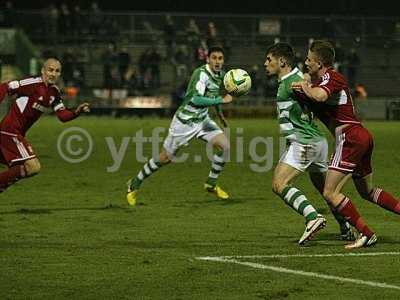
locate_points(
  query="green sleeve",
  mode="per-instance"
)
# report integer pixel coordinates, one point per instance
(205, 101)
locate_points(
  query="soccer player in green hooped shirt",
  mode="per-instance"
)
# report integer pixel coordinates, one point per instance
(192, 120)
(307, 148)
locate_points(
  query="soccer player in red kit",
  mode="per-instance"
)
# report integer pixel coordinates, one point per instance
(332, 103)
(32, 97)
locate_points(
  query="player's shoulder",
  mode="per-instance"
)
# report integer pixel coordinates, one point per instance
(200, 69)
(332, 74)
(31, 80)
(294, 75)
(201, 73)
(197, 71)
(284, 90)
(55, 88)
(14, 84)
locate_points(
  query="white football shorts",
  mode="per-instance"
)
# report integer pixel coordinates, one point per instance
(312, 157)
(179, 134)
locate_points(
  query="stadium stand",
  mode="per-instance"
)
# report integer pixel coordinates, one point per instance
(374, 41)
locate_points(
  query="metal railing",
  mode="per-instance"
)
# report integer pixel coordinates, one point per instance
(147, 28)
(91, 33)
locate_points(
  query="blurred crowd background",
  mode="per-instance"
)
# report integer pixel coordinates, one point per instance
(153, 53)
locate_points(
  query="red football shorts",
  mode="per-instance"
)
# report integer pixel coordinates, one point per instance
(14, 148)
(354, 145)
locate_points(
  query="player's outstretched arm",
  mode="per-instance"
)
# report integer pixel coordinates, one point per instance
(84, 107)
(65, 115)
(205, 101)
(227, 98)
(314, 93)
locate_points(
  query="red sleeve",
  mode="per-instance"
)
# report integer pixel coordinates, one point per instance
(65, 115)
(24, 87)
(332, 83)
(3, 91)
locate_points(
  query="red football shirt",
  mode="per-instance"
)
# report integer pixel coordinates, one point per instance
(33, 97)
(338, 109)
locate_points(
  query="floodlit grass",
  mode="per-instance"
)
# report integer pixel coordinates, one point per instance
(68, 233)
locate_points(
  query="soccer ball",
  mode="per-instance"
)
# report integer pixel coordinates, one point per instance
(237, 82)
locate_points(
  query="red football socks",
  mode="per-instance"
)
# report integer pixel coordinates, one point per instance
(11, 176)
(385, 200)
(350, 213)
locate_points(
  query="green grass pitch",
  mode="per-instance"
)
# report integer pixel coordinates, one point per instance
(68, 233)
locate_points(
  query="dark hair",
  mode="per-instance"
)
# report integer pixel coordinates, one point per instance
(215, 49)
(283, 50)
(325, 52)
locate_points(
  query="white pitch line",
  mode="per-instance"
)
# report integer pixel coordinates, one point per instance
(306, 255)
(302, 273)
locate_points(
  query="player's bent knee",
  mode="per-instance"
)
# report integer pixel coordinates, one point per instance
(221, 143)
(278, 186)
(164, 157)
(329, 195)
(32, 167)
(222, 146)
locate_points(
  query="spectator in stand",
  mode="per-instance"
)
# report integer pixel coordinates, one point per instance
(77, 22)
(193, 34)
(9, 17)
(144, 69)
(112, 29)
(124, 60)
(73, 68)
(226, 43)
(182, 65)
(51, 15)
(132, 80)
(340, 58)
(353, 63)
(95, 19)
(396, 34)
(110, 58)
(328, 29)
(155, 60)
(178, 95)
(181, 55)
(64, 21)
(69, 62)
(212, 34)
(201, 53)
(79, 68)
(169, 35)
